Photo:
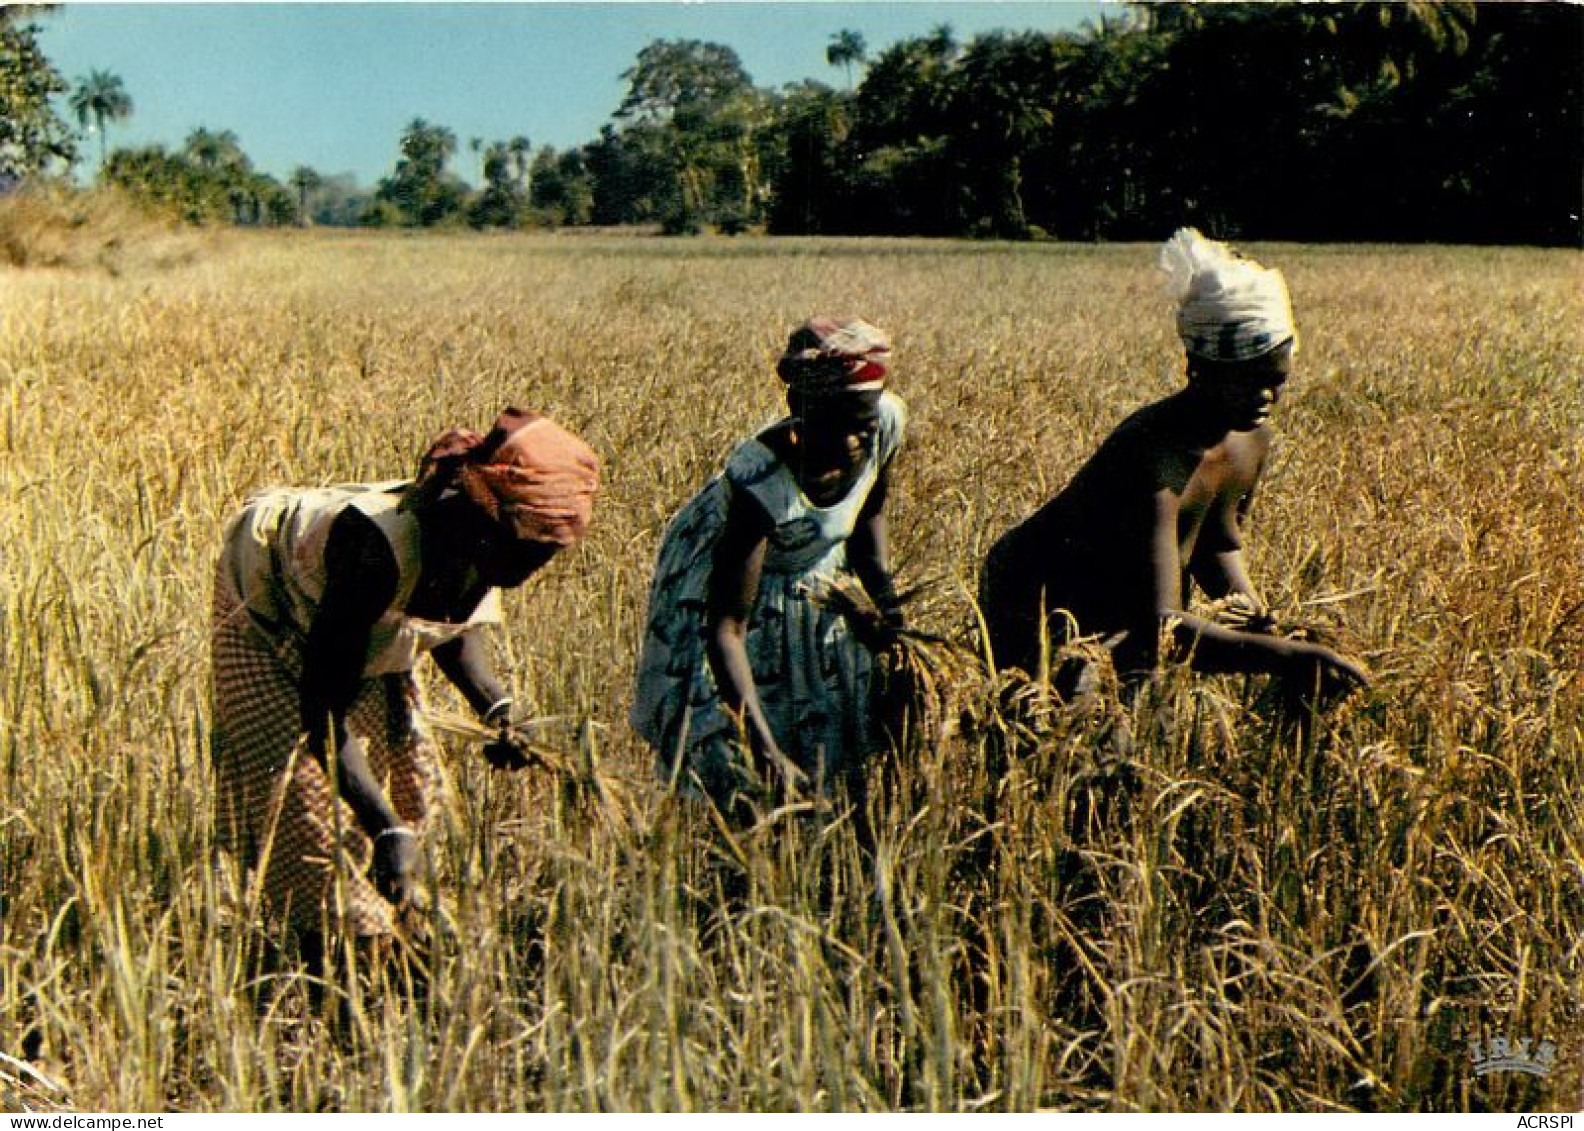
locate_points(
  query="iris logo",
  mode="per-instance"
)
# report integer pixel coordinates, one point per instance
(1499, 1054)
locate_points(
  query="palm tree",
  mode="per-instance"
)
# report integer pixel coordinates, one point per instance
(427, 147)
(215, 151)
(218, 153)
(942, 42)
(520, 148)
(304, 180)
(846, 48)
(103, 98)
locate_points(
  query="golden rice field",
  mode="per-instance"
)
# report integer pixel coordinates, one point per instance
(1231, 916)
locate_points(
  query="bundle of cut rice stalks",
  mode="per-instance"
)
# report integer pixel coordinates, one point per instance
(1284, 701)
(579, 777)
(924, 681)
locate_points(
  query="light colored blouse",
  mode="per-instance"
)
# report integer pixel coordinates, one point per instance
(806, 538)
(274, 558)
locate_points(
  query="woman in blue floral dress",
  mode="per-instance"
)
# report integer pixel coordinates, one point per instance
(748, 681)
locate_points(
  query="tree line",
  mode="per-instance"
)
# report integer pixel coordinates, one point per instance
(1424, 120)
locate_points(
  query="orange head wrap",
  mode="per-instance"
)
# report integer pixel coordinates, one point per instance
(530, 475)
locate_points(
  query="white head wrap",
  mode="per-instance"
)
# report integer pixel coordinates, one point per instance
(1229, 308)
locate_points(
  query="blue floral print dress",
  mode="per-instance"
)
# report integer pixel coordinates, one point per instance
(812, 674)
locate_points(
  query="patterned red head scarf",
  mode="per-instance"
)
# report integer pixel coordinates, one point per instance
(530, 475)
(829, 355)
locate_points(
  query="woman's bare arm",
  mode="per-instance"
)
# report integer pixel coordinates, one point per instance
(1211, 647)
(733, 588)
(869, 551)
(361, 582)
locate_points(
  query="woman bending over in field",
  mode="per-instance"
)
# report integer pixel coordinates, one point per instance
(1161, 504)
(324, 599)
(739, 650)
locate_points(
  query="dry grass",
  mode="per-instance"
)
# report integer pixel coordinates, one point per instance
(103, 230)
(1219, 912)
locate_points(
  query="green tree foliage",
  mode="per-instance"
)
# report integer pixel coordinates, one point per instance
(162, 178)
(1084, 175)
(211, 181)
(1510, 164)
(633, 175)
(1445, 121)
(674, 76)
(506, 170)
(691, 146)
(1002, 95)
(225, 171)
(1428, 119)
(1422, 120)
(846, 49)
(504, 201)
(304, 180)
(562, 188)
(33, 139)
(338, 201)
(421, 191)
(806, 168)
(903, 97)
(100, 98)
(899, 169)
(520, 151)
(476, 147)
(274, 204)
(219, 154)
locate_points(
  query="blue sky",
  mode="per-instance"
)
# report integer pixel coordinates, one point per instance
(332, 85)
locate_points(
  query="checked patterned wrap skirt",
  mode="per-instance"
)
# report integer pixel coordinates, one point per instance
(276, 809)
